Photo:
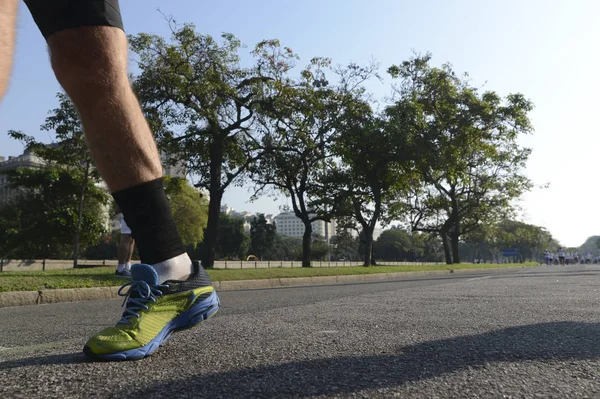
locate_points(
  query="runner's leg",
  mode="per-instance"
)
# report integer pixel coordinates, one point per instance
(88, 52)
(89, 56)
(8, 18)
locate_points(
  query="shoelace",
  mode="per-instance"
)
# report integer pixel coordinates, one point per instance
(145, 293)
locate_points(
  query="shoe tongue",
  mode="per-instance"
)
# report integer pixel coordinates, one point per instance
(143, 272)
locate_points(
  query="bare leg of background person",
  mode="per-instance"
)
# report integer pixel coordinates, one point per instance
(91, 64)
(130, 251)
(125, 251)
(8, 18)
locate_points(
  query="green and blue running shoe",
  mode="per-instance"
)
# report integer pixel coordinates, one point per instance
(153, 312)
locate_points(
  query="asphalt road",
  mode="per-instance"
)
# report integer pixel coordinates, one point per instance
(526, 333)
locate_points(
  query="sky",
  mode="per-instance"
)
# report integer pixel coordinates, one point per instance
(549, 50)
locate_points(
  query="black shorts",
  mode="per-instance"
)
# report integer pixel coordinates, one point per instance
(52, 16)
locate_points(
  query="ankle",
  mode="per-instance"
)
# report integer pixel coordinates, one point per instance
(177, 268)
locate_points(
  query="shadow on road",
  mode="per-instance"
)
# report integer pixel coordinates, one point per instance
(65, 358)
(557, 341)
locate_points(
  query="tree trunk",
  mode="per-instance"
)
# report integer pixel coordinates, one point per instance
(368, 247)
(210, 234)
(214, 204)
(444, 238)
(306, 244)
(373, 261)
(455, 231)
(79, 214)
(454, 242)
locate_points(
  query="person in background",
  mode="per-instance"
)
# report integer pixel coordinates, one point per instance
(125, 248)
(547, 257)
(561, 256)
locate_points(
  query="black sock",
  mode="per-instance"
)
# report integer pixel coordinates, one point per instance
(147, 212)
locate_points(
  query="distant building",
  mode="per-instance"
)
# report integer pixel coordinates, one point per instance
(246, 216)
(288, 224)
(26, 160)
(229, 211)
(177, 170)
(226, 209)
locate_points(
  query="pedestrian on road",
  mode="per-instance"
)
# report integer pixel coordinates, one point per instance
(88, 53)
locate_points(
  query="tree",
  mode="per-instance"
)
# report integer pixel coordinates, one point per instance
(345, 246)
(105, 248)
(286, 248)
(469, 161)
(68, 151)
(10, 227)
(299, 127)
(189, 209)
(320, 249)
(531, 240)
(395, 245)
(232, 242)
(373, 169)
(201, 103)
(262, 237)
(589, 246)
(428, 247)
(40, 223)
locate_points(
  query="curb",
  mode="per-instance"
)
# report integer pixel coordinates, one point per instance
(27, 298)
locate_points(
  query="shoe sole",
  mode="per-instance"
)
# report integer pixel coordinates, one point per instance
(195, 315)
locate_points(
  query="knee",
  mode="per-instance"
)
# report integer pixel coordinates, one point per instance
(89, 59)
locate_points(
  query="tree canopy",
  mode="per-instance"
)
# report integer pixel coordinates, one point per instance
(63, 192)
(467, 154)
(189, 208)
(440, 157)
(202, 102)
(41, 222)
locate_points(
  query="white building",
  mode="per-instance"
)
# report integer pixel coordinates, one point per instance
(176, 170)
(288, 224)
(246, 216)
(25, 160)
(226, 209)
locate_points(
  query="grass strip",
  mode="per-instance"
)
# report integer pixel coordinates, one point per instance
(104, 276)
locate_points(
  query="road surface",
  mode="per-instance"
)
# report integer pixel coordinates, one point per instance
(524, 333)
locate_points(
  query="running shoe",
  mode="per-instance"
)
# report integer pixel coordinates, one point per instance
(125, 273)
(153, 312)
